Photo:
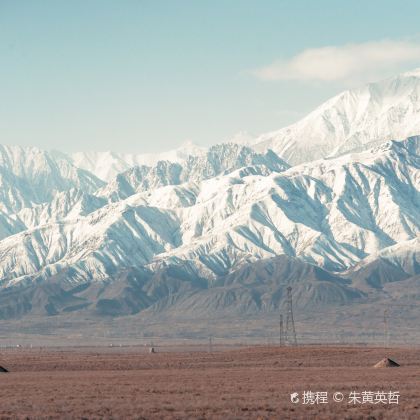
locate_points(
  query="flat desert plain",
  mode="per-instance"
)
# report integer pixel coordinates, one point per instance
(254, 382)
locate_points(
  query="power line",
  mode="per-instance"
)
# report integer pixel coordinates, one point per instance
(290, 336)
(281, 331)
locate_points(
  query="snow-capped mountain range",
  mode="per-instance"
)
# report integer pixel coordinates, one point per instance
(354, 120)
(336, 192)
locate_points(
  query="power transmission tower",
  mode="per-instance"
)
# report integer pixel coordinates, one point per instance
(281, 331)
(290, 336)
(386, 329)
(210, 344)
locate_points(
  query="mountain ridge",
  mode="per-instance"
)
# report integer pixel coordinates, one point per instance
(332, 214)
(377, 112)
(222, 229)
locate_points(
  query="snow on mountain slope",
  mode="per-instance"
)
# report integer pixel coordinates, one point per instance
(219, 159)
(106, 165)
(405, 255)
(73, 203)
(9, 225)
(393, 264)
(65, 205)
(332, 213)
(353, 120)
(31, 176)
(112, 237)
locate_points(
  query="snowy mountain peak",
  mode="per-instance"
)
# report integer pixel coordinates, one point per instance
(106, 165)
(243, 137)
(188, 146)
(353, 120)
(30, 176)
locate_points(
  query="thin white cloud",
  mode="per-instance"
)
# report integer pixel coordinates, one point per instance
(351, 62)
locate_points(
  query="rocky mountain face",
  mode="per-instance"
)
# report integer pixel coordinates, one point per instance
(223, 230)
(218, 160)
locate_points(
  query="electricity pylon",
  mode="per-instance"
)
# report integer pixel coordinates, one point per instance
(290, 336)
(281, 331)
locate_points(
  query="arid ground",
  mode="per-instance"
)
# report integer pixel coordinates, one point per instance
(254, 382)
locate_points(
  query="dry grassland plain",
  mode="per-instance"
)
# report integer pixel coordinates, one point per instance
(254, 382)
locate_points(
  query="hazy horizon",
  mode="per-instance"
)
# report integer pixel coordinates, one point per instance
(144, 77)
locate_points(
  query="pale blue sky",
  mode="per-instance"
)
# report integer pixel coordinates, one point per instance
(143, 76)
